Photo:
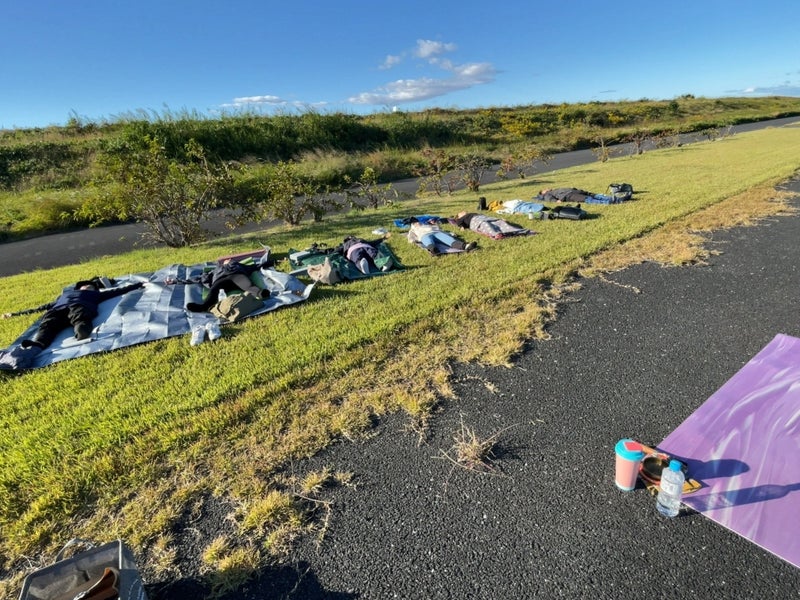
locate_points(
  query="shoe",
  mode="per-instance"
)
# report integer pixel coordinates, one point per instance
(214, 332)
(434, 251)
(83, 332)
(471, 246)
(266, 258)
(363, 266)
(198, 335)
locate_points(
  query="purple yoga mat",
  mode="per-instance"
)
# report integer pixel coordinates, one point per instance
(743, 445)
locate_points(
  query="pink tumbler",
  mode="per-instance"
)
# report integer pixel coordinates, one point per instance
(629, 457)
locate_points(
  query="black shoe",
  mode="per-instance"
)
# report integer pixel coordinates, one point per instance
(31, 344)
(195, 307)
(82, 332)
(434, 251)
(471, 246)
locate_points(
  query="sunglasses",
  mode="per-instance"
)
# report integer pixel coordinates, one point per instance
(655, 462)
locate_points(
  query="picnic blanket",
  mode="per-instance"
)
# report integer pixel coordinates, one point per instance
(602, 199)
(300, 260)
(154, 312)
(743, 444)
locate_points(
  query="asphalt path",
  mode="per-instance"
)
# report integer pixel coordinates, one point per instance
(74, 247)
(631, 356)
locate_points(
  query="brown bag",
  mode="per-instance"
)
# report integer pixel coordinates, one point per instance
(105, 588)
(237, 306)
(324, 272)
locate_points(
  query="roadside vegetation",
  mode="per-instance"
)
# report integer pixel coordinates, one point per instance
(291, 167)
(138, 442)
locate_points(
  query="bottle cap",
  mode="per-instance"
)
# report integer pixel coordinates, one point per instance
(629, 449)
(674, 465)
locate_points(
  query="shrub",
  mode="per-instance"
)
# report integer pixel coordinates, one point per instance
(281, 192)
(171, 197)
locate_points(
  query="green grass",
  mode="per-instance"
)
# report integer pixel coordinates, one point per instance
(120, 444)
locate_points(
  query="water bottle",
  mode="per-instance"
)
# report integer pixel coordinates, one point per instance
(670, 490)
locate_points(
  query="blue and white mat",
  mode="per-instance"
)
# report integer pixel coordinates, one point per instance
(153, 312)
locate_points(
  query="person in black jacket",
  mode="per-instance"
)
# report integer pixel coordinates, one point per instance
(565, 195)
(229, 276)
(75, 307)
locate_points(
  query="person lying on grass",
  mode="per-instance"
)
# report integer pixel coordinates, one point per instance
(429, 235)
(230, 276)
(362, 253)
(487, 225)
(76, 307)
(565, 195)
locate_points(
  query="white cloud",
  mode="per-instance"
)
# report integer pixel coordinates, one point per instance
(413, 90)
(390, 61)
(460, 77)
(429, 48)
(246, 102)
(254, 101)
(455, 77)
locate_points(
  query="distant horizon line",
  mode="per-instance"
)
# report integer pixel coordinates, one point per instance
(152, 115)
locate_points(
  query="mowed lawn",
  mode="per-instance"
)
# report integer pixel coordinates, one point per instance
(122, 444)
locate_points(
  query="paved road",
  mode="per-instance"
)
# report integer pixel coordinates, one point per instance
(75, 247)
(553, 525)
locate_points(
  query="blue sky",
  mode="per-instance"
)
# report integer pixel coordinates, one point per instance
(102, 60)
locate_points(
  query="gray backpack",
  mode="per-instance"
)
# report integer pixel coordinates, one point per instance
(621, 192)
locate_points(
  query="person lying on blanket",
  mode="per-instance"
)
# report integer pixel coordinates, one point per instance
(75, 307)
(493, 227)
(429, 233)
(362, 253)
(565, 195)
(229, 276)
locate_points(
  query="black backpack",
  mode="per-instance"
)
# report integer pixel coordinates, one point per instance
(621, 192)
(568, 212)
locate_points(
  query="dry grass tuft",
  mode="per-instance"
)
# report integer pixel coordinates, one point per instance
(232, 570)
(472, 452)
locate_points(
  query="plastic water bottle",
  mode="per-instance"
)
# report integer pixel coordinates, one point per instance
(670, 490)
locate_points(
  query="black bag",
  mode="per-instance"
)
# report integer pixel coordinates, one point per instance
(99, 573)
(482, 203)
(568, 212)
(621, 192)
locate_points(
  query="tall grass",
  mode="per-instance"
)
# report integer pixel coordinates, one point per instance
(121, 443)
